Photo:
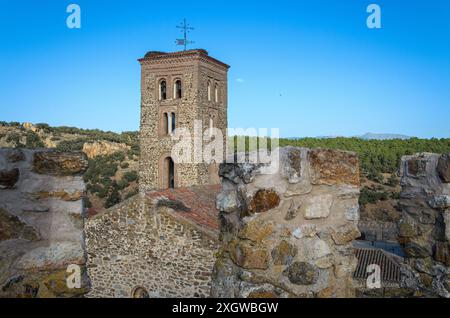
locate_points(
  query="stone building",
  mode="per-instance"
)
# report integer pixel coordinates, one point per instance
(186, 89)
(161, 245)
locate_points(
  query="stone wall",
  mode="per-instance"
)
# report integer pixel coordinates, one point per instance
(289, 234)
(136, 246)
(41, 222)
(378, 231)
(424, 227)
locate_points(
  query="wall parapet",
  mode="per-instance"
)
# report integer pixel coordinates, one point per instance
(41, 222)
(424, 227)
(289, 234)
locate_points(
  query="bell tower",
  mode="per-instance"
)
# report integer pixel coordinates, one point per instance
(177, 90)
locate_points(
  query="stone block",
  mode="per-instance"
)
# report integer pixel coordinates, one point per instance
(59, 163)
(318, 206)
(331, 167)
(301, 273)
(263, 201)
(443, 168)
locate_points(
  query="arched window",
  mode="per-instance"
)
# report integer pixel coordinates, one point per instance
(162, 90)
(165, 124)
(140, 292)
(216, 93)
(177, 89)
(173, 122)
(168, 173)
(209, 91)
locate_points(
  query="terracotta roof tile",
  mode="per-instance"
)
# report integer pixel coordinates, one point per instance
(201, 201)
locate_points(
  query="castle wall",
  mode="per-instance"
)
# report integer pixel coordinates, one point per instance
(424, 227)
(133, 245)
(289, 234)
(41, 222)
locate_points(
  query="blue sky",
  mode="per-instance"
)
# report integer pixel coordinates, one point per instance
(311, 68)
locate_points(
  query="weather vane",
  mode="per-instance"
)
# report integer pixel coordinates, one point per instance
(186, 29)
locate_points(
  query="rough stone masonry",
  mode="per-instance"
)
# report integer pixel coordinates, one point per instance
(424, 227)
(289, 234)
(41, 222)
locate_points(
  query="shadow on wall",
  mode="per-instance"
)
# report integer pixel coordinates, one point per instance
(42, 223)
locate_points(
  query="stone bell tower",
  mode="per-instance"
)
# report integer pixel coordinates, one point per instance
(177, 90)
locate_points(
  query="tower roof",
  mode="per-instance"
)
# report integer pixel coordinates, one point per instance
(194, 54)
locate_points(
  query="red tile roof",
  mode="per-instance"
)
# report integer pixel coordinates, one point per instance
(200, 200)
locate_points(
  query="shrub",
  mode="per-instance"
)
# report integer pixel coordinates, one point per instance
(32, 140)
(131, 176)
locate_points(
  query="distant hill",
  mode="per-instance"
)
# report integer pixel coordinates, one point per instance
(372, 136)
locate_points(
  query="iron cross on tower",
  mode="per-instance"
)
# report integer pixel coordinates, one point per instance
(185, 28)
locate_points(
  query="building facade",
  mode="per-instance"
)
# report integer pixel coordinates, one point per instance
(186, 89)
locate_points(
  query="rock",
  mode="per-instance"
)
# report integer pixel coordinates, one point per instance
(415, 250)
(59, 163)
(293, 164)
(266, 294)
(446, 216)
(314, 248)
(63, 195)
(440, 202)
(15, 155)
(345, 234)
(407, 229)
(256, 231)
(318, 206)
(227, 201)
(234, 172)
(301, 273)
(103, 148)
(8, 178)
(264, 200)
(11, 227)
(442, 253)
(292, 211)
(305, 230)
(284, 253)
(352, 213)
(443, 168)
(416, 167)
(324, 262)
(334, 167)
(54, 255)
(30, 126)
(248, 256)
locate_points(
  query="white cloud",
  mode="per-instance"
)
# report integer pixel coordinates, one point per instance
(240, 80)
